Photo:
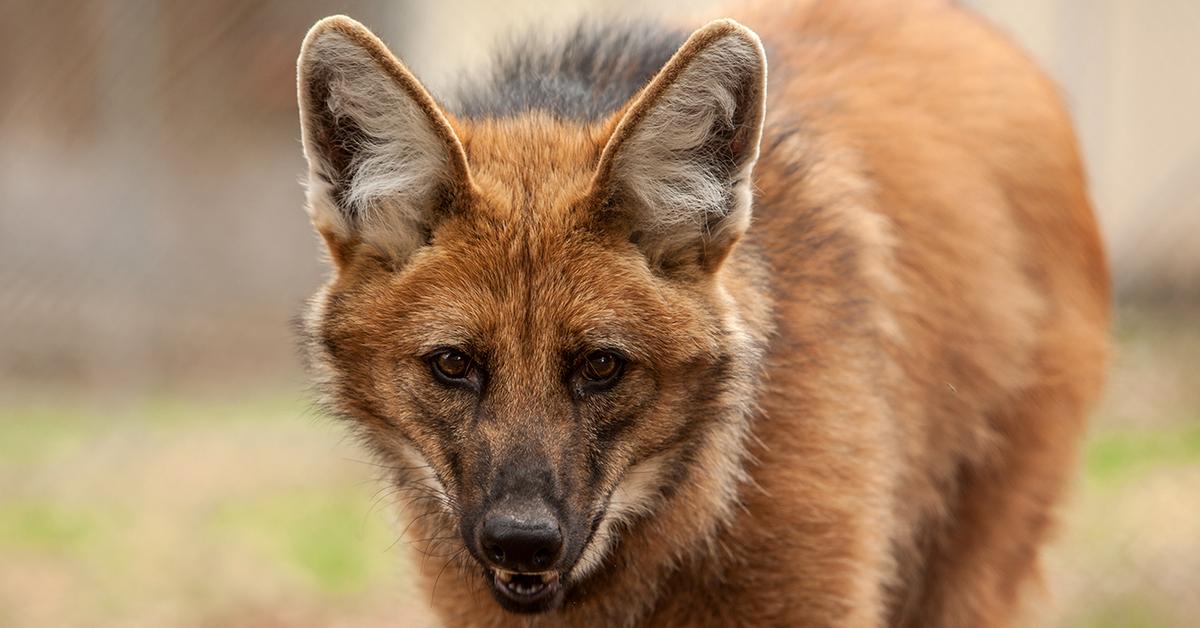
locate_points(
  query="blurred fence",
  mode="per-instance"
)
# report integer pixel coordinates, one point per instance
(150, 218)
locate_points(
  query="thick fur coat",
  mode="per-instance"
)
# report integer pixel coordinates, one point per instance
(807, 350)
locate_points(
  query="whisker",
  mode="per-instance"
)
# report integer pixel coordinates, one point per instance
(433, 594)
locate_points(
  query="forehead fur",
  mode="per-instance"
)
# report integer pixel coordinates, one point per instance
(532, 166)
(524, 261)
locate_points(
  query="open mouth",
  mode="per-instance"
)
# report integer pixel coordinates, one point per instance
(526, 592)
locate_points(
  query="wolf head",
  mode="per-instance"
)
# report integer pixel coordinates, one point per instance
(531, 320)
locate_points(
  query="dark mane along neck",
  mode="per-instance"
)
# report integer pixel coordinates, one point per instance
(585, 73)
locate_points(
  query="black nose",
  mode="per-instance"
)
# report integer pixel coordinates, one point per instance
(522, 539)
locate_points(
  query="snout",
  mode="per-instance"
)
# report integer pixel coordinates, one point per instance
(521, 541)
(522, 545)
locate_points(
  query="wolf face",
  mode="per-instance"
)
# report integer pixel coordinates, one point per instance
(527, 320)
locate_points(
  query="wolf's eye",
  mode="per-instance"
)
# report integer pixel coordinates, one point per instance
(451, 364)
(601, 366)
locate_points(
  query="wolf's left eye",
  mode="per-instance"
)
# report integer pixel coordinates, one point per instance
(601, 367)
(452, 365)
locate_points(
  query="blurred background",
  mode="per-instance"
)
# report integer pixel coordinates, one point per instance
(158, 463)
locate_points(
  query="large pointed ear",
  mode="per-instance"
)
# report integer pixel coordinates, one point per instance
(678, 164)
(384, 161)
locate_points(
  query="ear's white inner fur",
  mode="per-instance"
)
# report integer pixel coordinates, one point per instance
(398, 162)
(664, 163)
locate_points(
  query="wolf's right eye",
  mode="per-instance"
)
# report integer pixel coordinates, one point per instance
(451, 365)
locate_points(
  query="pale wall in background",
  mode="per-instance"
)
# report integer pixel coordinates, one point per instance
(1131, 73)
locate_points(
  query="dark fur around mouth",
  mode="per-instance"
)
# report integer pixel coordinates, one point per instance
(526, 592)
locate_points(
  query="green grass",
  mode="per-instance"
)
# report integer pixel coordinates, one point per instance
(46, 527)
(32, 433)
(197, 510)
(261, 486)
(1121, 455)
(174, 510)
(322, 534)
(1125, 613)
(32, 430)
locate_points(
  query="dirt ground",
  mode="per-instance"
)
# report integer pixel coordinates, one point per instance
(196, 510)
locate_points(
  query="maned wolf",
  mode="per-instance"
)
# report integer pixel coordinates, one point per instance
(645, 337)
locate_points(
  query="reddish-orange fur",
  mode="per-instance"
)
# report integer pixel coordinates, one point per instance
(923, 268)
